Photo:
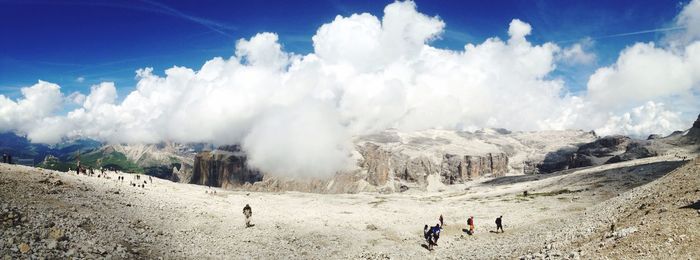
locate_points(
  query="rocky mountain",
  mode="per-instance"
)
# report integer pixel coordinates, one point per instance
(224, 167)
(603, 150)
(25, 152)
(393, 161)
(166, 160)
(613, 149)
(692, 137)
(160, 160)
(388, 161)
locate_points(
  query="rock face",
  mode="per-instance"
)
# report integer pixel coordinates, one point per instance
(225, 167)
(635, 150)
(597, 152)
(383, 165)
(457, 169)
(654, 136)
(377, 163)
(393, 161)
(609, 149)
(693, 135)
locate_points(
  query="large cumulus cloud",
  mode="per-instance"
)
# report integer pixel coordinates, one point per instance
(660, 80)
(295, 114)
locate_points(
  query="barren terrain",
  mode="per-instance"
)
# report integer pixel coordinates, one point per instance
(568, 214)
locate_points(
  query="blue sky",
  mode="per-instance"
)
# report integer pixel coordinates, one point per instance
(62, 41)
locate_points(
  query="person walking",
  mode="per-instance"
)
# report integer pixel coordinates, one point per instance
(499, 224)
(432, 235)
(470, 222)
(247, 212)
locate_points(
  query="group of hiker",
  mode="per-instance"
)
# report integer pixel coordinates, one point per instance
(103, 173)
(137, 181)
(682, 157)
(432, 234)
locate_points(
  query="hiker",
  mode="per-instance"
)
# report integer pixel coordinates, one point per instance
(425, 232)
(470, 222)
(433, 235)
(9, 159)
(499, 224)
(247, 212)
(4, 158)
(150, 180)
(442, 224)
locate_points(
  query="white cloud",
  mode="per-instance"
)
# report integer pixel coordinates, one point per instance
(519, 29)
(365, 43)
(38, 101)
(644, 72)
(103, 94)
(263, 50)
(689, 18)
(294, 115)
(577, 55)
(80, 79)
(643, 120)
(75, 98)
(302, 141)
(645, 76)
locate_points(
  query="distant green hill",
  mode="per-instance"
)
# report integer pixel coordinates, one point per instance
(21, 148)
(152, 159)
(110, 160)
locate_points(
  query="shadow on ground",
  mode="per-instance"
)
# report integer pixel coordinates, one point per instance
(629, 176)
(695, 205)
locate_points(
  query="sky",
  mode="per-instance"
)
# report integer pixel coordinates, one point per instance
(80, 43)
(294, 81)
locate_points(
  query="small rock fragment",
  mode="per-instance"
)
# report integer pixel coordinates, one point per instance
(24, 248)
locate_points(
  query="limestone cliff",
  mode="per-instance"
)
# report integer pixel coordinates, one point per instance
(393, 161)
(382, 165)
(224, 167)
